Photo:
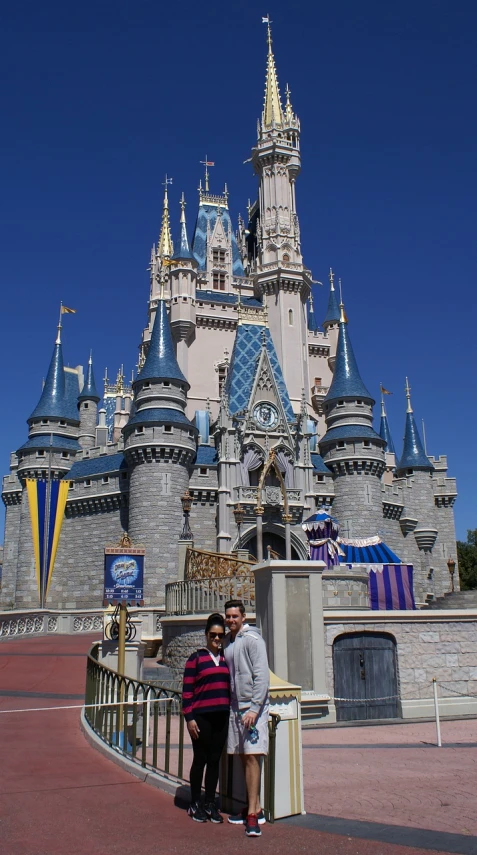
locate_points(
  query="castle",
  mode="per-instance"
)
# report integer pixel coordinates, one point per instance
(232, 367)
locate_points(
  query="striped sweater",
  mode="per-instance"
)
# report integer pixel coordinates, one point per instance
(206, 686)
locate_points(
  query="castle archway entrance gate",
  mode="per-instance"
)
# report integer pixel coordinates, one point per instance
(364, 665)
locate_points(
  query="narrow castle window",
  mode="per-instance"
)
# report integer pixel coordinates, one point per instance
(290, 317)
(218, 280)
(87, 483)
(203, 471)
(166, 383)
(65, 455)
(367, 444)
(86, 405)
(218, 256)
(139, 430)
(341, 445)
(167, 428)
(222, 378)
(105, 479)
(40, 453)
(62, 424)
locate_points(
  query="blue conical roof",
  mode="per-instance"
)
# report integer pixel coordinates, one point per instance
(384, 431)
(183, 250)
(385, 434)
(333, 312)
(413, 455)
(312, 325)
(89, 391)
(54, 402)
(161, 362)
(346, 381)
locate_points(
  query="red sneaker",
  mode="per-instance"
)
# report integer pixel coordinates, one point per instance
(252, 828)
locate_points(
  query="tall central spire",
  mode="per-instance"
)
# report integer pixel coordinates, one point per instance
(165, 248)
(272, 108)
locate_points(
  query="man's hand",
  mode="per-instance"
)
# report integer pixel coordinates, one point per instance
(249, 719)
(193, 729)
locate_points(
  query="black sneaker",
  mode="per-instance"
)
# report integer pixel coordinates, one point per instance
(241, 818)
(252, 828)
(210, 809)
(197, 812)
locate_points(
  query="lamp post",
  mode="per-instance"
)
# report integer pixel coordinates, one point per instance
(239, 515)
(451, 569)
(186, 500)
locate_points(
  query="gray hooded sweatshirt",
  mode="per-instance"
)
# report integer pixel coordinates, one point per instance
(248, 664)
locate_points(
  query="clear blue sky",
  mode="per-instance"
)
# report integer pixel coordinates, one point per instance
(100, 99)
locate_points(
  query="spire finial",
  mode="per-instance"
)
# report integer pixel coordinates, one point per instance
(90, 360)
(183, 206)
(207, 163)
(272, 109)
(343, 317)
(332, 280)
(165, 247)
(58, 335)
(408, 396)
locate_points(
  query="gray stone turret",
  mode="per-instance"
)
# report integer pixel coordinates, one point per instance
(159, 446)
(88, 401)
(49, 452)
(351, 448)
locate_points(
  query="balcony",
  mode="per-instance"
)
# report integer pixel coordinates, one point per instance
(270, 496)
(204, 596)
(318, 395)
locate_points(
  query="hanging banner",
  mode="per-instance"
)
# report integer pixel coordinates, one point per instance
(124, 574)
(47, 502)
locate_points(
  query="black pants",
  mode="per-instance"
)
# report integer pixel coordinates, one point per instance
(207, 748)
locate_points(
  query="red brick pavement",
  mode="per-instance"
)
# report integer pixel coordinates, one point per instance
(354, 773)
(58, 796)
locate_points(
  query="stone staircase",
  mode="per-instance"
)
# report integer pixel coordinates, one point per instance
(457, 600)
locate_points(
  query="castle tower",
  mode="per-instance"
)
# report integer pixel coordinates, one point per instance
(417, 469)
(351, 448)
(48, 453)
(278, 269)
(183, 278)
(159, 446)
(88, 401)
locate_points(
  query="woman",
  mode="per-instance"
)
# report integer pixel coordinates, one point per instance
(206, 706)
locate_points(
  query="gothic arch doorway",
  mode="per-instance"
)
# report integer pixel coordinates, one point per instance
(365, 668)
(274, 536)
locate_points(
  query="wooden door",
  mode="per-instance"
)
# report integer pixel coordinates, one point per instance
(365, 671)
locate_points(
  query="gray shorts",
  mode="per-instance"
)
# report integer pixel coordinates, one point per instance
(238, 740)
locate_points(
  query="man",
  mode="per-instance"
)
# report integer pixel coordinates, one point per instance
(246, 657)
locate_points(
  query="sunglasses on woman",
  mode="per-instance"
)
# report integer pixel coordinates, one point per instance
(216, 634)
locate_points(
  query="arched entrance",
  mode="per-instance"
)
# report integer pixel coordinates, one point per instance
(364, 666)
(275, 541)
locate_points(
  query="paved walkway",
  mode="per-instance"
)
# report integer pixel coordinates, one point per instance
(58, 796)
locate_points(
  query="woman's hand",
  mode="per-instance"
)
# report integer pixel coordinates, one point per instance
(193, 729)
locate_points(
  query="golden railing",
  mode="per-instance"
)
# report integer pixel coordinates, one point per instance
(200, 564)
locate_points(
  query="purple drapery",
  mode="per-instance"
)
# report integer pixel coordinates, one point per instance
(322, 533)
(391, 588)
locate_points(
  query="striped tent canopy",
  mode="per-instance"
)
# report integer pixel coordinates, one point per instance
(367, 550)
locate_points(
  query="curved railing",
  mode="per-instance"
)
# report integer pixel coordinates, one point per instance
(203, 596)
(203, 564)
(140, 720)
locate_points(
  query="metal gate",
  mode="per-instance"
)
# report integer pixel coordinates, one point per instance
(364, 666)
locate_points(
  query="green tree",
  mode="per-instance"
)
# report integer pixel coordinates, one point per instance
(467, 556)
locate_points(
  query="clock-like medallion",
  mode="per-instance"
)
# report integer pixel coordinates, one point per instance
(265, 415)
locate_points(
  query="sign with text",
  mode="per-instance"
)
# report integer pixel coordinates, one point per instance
(123, 576)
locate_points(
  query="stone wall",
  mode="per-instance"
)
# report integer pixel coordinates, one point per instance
(180, 639)
(156, 519)
(444, 648)
(77, 581)
(10, 555)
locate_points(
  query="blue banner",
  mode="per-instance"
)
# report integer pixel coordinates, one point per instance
(124, 577)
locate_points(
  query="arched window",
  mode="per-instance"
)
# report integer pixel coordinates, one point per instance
(290, 317)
